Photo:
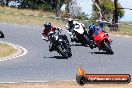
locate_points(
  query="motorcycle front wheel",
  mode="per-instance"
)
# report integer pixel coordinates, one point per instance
(61, 51)
(68, 48)
(1, 34)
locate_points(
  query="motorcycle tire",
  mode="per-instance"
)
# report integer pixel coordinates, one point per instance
(85, 41)
(62, 52)
(108, 48)
(69, 51)
(69, 54)
(1, 34)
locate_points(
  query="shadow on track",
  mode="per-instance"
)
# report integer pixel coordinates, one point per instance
(57, 57)
(101, 53)
(76, 45)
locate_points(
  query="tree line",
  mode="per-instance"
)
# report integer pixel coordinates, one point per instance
(107, 8)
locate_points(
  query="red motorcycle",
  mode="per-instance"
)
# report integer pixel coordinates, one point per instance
(102, 41)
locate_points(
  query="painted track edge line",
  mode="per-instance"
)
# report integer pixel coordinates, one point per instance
(123, 36)
(24, 51)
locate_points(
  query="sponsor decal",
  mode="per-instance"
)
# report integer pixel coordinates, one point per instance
(82, 77)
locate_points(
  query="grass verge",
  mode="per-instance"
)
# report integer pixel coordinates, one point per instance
(6, 50)
(42, 17)
(125, 29)
(35, 17)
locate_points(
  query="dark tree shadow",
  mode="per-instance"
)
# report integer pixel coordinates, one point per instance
(57, 57)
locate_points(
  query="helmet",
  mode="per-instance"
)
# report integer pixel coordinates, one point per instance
(70, 21)
(47, 25)
(92, 27)
(75, 23)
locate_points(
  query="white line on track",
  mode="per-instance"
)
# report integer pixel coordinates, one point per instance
(118, 35)
(24, 51)
(124, 36)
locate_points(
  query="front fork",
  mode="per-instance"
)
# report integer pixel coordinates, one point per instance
(86, 36)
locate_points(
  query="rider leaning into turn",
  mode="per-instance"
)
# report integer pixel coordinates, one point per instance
(70, 26)
(93, 29)
(49, 29)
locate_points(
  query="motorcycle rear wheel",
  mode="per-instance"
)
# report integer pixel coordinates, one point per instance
(108, 48)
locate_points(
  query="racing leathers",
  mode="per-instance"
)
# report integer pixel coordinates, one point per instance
(70, 28)
(93, 30)
(46, 33)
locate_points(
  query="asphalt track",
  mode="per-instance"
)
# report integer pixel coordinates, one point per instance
(39, 65)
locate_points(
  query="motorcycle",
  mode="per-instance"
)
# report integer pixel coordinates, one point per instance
(102, 41)
(1, 34)
(80, 35)
(60, 44)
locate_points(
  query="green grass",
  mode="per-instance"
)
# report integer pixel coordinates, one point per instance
(20, 18)
(43, 17)
(124, 29)
(6, 50)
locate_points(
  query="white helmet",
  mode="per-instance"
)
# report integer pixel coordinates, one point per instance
(75, 23)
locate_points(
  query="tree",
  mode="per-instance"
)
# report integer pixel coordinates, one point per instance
(7, 1)
(107, 8)
(75, 10)
(115, 13)
(67, 8)
(72, 9)
(56, 5)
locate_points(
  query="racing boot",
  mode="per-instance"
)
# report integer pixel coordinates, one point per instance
(91, 45)
(72, 38)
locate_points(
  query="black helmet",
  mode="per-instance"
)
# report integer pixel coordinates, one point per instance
(70, 21)
(47, 25)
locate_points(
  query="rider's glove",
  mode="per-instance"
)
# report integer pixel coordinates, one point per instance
(59, 29)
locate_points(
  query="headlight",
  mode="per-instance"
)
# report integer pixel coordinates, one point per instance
(60, 40)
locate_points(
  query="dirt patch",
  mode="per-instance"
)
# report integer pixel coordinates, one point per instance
(63, 84)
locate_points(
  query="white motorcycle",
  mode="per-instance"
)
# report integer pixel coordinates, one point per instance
(80, 35)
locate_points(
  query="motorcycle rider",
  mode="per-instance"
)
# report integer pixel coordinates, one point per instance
(102, 25)
(70, 26)
(49, 29)
(93, 30)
